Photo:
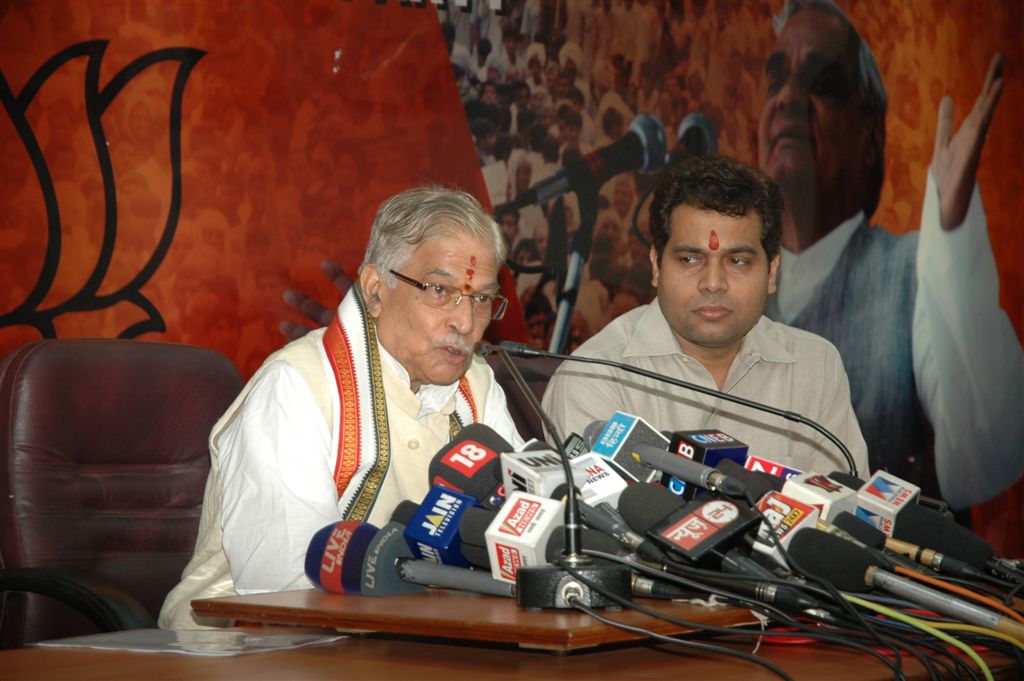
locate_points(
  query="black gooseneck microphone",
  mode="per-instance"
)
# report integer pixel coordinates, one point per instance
(528, 351)
(549, 586)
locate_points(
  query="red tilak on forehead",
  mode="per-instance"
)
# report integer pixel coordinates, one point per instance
(469, 274)
(713, 241)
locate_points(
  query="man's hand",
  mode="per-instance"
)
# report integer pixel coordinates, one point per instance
(310, 308)
(955, 160)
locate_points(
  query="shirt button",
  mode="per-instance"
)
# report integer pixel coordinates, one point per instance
(414, 444)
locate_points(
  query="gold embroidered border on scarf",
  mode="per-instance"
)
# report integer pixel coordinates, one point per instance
(339, 347)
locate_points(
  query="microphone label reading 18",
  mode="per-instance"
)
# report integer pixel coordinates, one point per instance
(468, 457)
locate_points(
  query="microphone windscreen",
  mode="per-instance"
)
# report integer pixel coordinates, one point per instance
(866, 534)
(473, 526)
(756, 483)
(404, 512)
(379, 576)
(644, 505)
(933, 530)
(471, 463)
(833, 559)
(334, 559)
(593, 431)
(589, 539)
(476, 555)
(847, 479)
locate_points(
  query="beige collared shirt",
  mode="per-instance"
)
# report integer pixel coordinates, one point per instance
(777, 365)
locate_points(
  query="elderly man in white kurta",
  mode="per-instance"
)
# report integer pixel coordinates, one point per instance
(343, 423)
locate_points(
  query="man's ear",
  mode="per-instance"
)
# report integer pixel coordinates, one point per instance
(372, 283)
(655, 271)
(773, 272)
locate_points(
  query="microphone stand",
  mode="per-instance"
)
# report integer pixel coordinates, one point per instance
(523, 350)
(549, 586)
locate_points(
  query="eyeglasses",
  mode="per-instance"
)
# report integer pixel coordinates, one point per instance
(484, 305)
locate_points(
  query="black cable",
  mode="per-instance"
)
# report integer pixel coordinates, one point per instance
(983, 587)
(911, 636)
(806, 630)
(796, 568)
(696, 645)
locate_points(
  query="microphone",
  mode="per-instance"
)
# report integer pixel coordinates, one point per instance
(449, 577)
(830, 497)
(433, 531)
(334, 558)
(520, 530)
(470, 464)
(709, 447)
(668, 521)
(756, 483)
(785, 516)
(643, 148)
(554, 587)
(759, 464)
(617, 439)
(691, 530)
(695, 136)
(850, 568)
(927, 527)
(472, 527)
(603, 481)
(379, 577)
(688, 470)
(605, 518)
(524, 350)
(535, 472)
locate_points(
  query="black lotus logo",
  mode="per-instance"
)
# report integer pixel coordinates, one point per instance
(89, 297)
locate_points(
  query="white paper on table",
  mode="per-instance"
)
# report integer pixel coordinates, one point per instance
(207, 642)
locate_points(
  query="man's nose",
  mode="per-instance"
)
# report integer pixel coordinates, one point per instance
(712, 277)
(461, 316)
(792, 96)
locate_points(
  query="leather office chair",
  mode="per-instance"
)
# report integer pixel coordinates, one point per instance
(103, 461)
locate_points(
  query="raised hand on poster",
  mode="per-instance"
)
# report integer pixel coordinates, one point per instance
(311, 309)
(955, 160)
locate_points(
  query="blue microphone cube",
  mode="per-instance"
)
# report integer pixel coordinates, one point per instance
(433, 532)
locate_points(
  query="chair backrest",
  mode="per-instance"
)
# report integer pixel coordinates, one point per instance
(103, 461)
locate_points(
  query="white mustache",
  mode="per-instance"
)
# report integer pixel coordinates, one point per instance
(454, 342)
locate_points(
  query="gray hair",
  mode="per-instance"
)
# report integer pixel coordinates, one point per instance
(872, 88)
(418, 215)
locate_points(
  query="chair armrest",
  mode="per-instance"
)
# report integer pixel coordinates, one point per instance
(109, 608)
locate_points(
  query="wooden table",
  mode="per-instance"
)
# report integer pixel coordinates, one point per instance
(390, 659)
(462, 616)
(443, 635)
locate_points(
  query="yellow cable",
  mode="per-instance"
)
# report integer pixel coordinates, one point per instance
(979, 630)
(925, 627)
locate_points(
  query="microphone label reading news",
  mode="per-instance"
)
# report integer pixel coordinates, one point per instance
(882, 497)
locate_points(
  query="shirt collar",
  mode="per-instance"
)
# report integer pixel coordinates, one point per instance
(657, 339)
(432, 398)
